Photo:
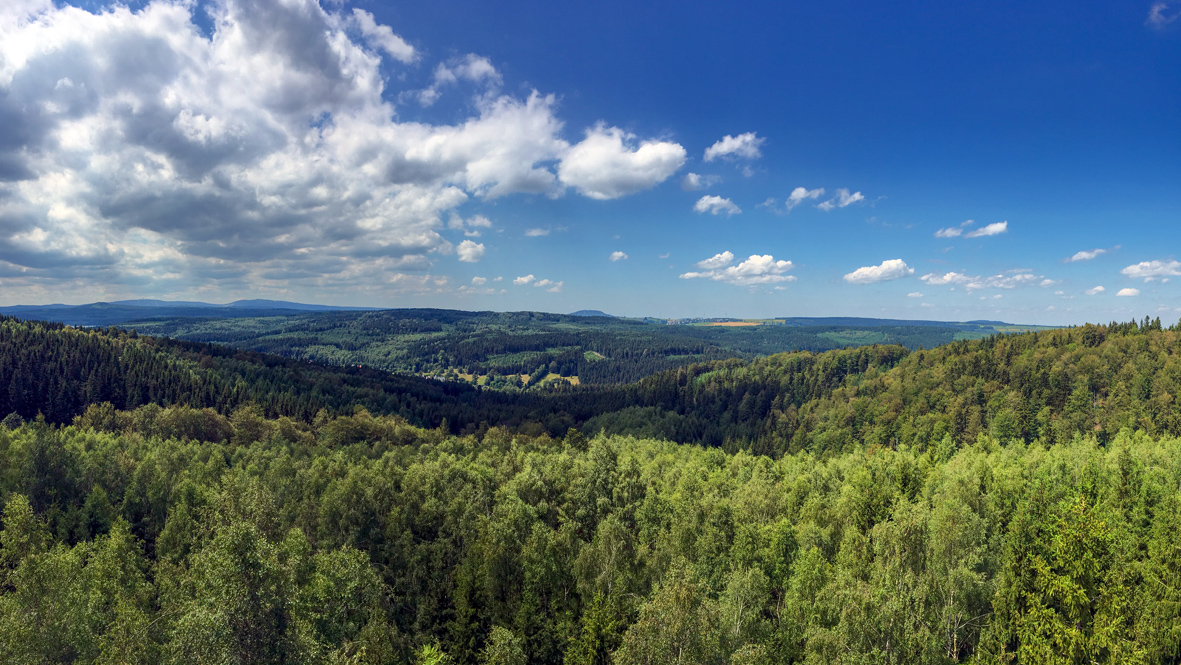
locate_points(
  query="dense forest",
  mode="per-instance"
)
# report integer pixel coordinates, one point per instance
(362, 539)
(498, 348)
(1046, 385)
(1009, 499)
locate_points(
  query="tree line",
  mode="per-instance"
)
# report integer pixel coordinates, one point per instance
(1048, 385)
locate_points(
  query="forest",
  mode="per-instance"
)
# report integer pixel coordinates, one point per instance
(362, 539)
(496, 346)
(1009, 499)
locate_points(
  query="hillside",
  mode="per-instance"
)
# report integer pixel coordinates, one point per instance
(991, 500)
(491, 348)
(1047, 386)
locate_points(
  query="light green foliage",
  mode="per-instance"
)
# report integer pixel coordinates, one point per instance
(361, 539)
(678, 625)
(503, 648)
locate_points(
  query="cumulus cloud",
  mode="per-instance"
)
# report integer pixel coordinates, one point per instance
(609, 163)
(1086, 255)
(801, 194)
(954, 231)
(716, 261)
(693, 181)
(1128, 292)
(888, 270)
(1159, 15)
(618, 256)
(1002, 281)
(1095, 291)
(553, 287)
(383, 37)
(914, 294)
(743, 146)
(797, 196)
(754, 271)
(470, 251)
(473, 68)
(471, 226)
(993, 229)
(715, 205)
(841, 200)
(536, 233)
(479, 281)
(1153, 270)
(521, 281)
(141, 151)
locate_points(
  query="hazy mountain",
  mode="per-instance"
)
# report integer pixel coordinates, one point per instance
(125, 311)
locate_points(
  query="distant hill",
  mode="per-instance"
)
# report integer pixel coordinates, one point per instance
(860, 322)
(490, 348)
(124, 311)
(284, 304)
(592, 312)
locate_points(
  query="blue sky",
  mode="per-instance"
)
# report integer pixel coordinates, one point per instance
(639, 158)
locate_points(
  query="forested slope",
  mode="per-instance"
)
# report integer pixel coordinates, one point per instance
(57, 371)
(1013, 499)
(1047, 385)
(500, 345)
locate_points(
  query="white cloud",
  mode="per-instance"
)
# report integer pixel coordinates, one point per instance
(469, 251)
(382, 37)
(470, 226)
(888, 270)
(801, 194)
(843, 199)
(1095, 291)
(1158, 16)
(754, 271)
(948, 278)
(1128, 292)
(150, 150)
(953, 231)
(608, 164)
(1085, 255)
(554, 287)
(479, 281)
(716, 205)
(618, 256)
(914, 294)
(521, 281)
(993, 229)
(716, 261)
(743, 146)
(693, 181)
(535, 233)
(472, 68)
(1153, 270)
(1003, 281)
